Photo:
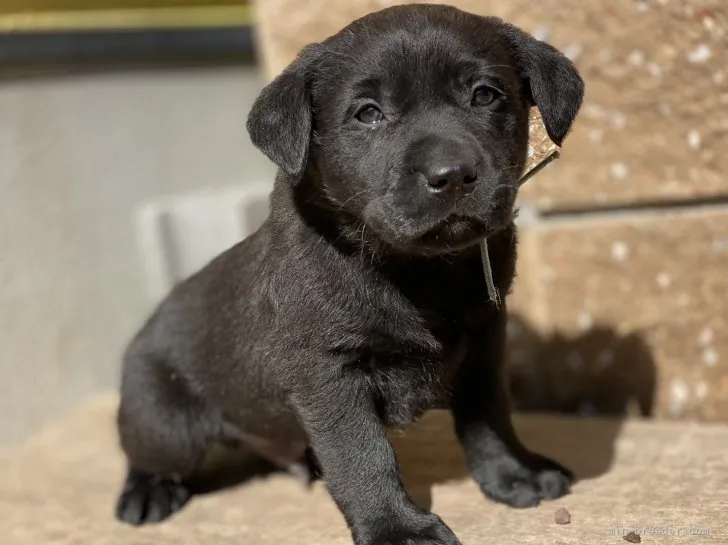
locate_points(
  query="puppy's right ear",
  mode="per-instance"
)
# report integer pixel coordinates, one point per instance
(280, 122)
(553, 81)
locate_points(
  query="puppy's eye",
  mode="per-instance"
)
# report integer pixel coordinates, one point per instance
(369, 114)
(484, 96)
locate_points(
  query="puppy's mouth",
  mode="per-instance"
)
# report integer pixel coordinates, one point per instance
(451, 232)
(455, 232)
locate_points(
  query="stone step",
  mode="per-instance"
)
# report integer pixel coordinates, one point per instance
(59, 487)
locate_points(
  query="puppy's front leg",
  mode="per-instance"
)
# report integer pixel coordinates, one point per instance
(503, 467)
(360, 467)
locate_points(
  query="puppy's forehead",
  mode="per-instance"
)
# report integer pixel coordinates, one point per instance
(388, 51)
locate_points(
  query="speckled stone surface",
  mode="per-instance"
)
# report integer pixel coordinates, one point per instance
(666, 480)
(654, 125)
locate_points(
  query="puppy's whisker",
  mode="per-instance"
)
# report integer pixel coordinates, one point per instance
(341, 205)
(507, 168)
(363, 241)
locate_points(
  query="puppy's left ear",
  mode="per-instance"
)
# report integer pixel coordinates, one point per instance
(554, 83)
(280, 121)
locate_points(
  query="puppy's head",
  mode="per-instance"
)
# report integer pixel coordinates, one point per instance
(414, 122)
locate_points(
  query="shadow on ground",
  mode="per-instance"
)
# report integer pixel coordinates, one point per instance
(571, 393)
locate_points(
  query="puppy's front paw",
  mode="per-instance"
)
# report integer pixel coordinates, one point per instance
(433, 533)
(147, 499)
(508, 480)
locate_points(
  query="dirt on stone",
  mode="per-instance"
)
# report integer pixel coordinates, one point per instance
(562, 516)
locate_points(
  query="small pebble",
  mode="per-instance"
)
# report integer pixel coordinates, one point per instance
(642, 6)
(633, 538)
(562, 516)
(700, 54)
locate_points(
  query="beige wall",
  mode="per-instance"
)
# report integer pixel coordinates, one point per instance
(77, 154)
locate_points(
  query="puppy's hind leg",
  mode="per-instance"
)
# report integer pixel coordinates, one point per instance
(165, 432)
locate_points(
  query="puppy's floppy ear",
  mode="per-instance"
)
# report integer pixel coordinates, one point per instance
(280, 121)
(555, 85)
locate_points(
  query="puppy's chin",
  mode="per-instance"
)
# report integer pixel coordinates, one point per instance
(431, 234)
(454, 234)
(451, 235)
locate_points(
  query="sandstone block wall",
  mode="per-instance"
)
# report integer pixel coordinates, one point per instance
(622, 298)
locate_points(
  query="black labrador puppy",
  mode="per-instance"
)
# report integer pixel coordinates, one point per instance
(361, 301)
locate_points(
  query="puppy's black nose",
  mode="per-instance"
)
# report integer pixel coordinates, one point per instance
(453, 176)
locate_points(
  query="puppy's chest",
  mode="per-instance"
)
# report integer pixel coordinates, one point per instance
(409, 379)
(418, 342)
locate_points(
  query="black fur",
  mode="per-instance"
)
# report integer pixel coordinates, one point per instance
(360, 303)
